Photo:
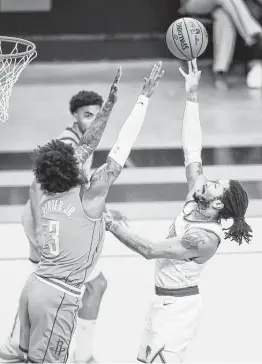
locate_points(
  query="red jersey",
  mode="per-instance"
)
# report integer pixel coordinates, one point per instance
(72, 242)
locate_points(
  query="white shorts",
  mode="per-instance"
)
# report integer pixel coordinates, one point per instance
(170, 326)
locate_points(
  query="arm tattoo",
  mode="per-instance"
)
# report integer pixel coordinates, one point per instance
(83, 153)
(192, 97)
(199, 169)
(113, 167)
(94, 132)
(135, 243)
(192, 240)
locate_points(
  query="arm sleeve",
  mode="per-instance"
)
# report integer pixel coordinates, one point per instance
(129, 132)
(191, 134)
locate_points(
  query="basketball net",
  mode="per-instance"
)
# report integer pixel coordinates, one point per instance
(15, 55)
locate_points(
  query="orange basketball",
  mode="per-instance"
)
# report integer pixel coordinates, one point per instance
(187, 38)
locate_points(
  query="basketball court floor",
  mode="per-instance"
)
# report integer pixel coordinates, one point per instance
(150, 193)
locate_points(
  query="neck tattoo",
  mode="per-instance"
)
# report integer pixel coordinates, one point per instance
(201, 215)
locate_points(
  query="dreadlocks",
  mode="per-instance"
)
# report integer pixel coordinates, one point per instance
(235, 201)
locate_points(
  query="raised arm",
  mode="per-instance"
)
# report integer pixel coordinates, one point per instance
(191, 127)
(129, 132)
(196, 243)
(94, 194)
(94, 132)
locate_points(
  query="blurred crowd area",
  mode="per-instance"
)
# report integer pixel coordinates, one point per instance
(231, 21)
(135, 29)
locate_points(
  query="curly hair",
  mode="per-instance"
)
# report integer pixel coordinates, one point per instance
(235, 201)
(55, 167)
(84, 98)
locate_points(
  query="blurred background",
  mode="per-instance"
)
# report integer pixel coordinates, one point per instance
(80, 45)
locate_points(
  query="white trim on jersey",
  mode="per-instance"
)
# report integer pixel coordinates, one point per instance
(60, 288)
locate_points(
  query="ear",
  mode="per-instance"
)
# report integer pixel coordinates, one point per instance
(217, 204)
(74, 117)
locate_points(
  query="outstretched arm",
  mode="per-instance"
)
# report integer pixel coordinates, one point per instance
(191, 127)
(94, 132)
(129, 132)
(194, 244)
(104, 177)
(131, 129)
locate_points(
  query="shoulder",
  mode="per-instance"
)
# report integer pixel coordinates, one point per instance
(198, 238)
(70, 136)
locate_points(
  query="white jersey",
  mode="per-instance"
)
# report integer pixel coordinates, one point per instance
(173, 273)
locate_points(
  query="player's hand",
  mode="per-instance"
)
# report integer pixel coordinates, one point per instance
(112, 98)
(151, 83)
(192, 78)
(118, 217)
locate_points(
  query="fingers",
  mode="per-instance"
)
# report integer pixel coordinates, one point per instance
(161, 74)
(194, 65)
(152, 74)
(156, 72)
(126, 223)
(159, 71)
(182, 72)
(118, 75)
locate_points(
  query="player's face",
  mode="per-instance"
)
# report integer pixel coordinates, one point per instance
(85, 115)
(211, 191)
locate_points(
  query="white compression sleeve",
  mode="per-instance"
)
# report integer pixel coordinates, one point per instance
(129, 132)
(191, 134)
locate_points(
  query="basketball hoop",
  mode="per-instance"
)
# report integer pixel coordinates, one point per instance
(15, 55)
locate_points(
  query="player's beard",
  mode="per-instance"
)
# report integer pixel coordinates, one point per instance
(201, 201)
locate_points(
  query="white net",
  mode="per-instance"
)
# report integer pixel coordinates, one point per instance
(15, 55)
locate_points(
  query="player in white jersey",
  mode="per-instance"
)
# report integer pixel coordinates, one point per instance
(192, 240)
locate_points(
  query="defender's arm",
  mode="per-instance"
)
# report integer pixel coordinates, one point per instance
(131, 129)
(129, 132)
(94, 132)
(94, 194)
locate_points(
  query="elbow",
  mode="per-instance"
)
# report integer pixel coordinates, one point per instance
(148, 254)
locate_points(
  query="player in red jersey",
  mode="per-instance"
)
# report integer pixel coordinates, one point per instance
(84, 107)
(72, 230)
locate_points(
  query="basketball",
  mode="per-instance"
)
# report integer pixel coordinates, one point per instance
(186, 38)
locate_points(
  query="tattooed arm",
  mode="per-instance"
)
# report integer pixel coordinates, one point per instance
(103, 178)
(195, 243)
(94, 132)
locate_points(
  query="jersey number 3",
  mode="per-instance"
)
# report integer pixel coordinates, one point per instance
(54, 237)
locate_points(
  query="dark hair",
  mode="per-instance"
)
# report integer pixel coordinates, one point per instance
(235, 201)
(55, 167)
(84, 98)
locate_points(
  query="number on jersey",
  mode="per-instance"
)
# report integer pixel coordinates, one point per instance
(53, 243)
